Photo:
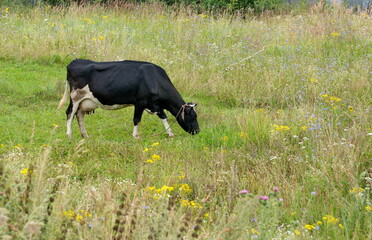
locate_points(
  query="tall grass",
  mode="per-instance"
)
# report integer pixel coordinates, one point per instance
(284, 111)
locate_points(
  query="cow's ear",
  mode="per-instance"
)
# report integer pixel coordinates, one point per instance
(192, 105)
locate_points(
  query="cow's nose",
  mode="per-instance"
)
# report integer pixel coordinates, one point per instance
(195, 131)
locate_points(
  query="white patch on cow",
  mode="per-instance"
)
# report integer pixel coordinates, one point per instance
(69, 121)
(149, 111)
(115, 106)
(84, 100)
(167, 127)
(88, 105)
(135, 131)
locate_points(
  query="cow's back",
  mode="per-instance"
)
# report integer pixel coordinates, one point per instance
(118, 82)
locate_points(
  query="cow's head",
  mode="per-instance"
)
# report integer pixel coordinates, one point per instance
(187, 118)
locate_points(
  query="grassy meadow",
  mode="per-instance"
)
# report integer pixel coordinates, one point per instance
(284, 107)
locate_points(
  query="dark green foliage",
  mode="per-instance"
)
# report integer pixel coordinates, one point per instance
(209, 5)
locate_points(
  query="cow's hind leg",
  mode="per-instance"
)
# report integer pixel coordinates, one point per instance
(163, 118)
(80, 118)
(70, 112)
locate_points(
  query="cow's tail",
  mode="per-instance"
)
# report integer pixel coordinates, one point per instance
(64, 98)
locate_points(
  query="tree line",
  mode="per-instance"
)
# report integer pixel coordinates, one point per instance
(209, 5)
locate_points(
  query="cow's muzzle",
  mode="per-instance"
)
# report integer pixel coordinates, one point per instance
(194, 131)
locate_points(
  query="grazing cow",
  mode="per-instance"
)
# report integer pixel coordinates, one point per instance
(115, 85)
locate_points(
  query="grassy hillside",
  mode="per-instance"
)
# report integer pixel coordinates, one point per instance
(284, 109)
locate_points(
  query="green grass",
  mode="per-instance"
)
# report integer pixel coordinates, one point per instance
(284, 101)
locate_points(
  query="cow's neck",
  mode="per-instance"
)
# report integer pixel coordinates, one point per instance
(175, 107)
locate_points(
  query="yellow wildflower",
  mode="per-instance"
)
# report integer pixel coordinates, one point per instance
(254, 231)
(185, 188)
(78, 218)
(279, 128)
(25, 171)
(18, 146)
(304, 128)
(181, 176)
(335, 34)
(155, 144)
(155, 157)
(86, 213)
(69, 214)
(309, 227)
(165, 189)
(341, 226)
(357, 190)
(350, 108)
(224, 138)
(191, 204)
(368, 208)
(330, 219)
(184, 203)
(89, 21)
(297, 232)
(150, 189)
(334, 99)
(195, 204)
(149, 161)
(6, 9)
(243, 134)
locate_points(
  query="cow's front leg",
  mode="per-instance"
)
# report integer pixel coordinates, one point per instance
(80, 118)
(163, 118)
(138, 111)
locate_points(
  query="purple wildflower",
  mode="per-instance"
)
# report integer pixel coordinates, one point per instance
(244, 191)
(265, 198)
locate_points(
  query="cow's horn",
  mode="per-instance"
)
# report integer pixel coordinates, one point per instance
(191, 105)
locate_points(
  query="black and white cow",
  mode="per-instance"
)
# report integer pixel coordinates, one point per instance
(115, 85)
